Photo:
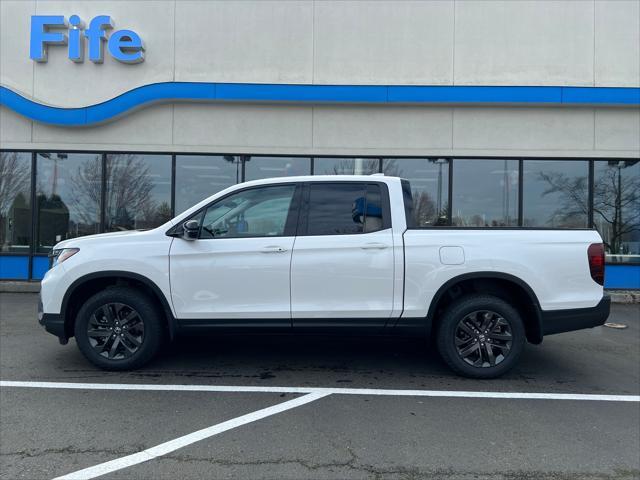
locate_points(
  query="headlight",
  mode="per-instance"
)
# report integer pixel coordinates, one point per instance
(62, 254)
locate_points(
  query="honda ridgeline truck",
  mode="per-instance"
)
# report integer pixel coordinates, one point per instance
(323, 254)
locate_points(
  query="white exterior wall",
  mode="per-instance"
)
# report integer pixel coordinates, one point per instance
(466, 42)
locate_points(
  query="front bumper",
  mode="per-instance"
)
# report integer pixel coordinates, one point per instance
(52, 323)
(558, 321)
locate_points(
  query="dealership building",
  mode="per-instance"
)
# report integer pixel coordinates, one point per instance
(503, 114)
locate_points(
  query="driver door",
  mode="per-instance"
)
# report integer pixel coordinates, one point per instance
(238, 268)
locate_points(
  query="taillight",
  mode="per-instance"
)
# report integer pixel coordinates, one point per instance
(595, 252)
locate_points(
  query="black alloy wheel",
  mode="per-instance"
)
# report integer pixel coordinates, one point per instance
(483, 338)
(480, 336)
(119, 328)
(115, 331)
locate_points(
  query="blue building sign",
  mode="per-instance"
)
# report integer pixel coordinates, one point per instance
(126, 46)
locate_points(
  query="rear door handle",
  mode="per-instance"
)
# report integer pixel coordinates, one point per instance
(374, 246)
(273, 249)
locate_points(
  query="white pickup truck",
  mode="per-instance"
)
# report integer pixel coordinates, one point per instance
(317, 254)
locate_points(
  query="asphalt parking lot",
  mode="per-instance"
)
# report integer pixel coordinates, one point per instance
(297, 409)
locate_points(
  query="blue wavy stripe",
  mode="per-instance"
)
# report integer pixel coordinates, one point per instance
(251, 92)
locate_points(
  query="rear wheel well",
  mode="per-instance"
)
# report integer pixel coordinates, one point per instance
(508, 290)
(81, 293)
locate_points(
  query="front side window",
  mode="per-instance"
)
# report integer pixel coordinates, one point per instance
(257, 212)
(344, 208)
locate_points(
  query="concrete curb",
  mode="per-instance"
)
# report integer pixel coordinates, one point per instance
(617, 296)
(19, 287)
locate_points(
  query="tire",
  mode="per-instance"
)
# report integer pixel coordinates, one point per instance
(123, 317)
(472, 352)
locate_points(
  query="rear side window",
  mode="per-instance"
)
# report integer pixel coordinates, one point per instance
(345, 209)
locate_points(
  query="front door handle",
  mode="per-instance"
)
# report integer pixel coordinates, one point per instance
(273, 249)
(374, 246)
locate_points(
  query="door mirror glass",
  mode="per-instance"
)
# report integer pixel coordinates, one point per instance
(191, 229)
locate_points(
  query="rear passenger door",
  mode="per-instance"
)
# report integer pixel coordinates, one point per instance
(342, 267)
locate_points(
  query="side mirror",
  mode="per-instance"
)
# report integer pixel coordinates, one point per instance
(191, 230)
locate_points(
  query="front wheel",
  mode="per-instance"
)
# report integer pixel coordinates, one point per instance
(480, 336)
(118, 329)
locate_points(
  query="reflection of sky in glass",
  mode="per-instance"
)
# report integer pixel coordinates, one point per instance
(345, 166)
(485, 192)
(429, 178)
(269, 167)
(549, 210)
(200, 176)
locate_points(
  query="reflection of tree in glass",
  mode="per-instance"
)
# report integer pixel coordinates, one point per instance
(14, 210)
(356, 166)
(573, 192)
(129, 203)
(14, 178)
(616, 204)
(85, 191)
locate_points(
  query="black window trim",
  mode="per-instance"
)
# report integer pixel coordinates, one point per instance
(303, 225)
(291, 223)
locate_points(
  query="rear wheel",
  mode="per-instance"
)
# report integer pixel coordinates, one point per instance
(118, 329)
(480, 336)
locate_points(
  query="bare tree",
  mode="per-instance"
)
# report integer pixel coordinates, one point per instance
(573, 207)
(14, 179)
(128, 192)
(14, 188)
(616, 202)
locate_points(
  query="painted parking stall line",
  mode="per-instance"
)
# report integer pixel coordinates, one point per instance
(323, 391)
(180, 442)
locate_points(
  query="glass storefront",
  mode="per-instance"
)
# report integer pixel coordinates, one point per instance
(199, 176)
(77, 194)
(15, 202)
(137, 191)
(616, 207)
(485, 193)
(556, 193)
(68, 197)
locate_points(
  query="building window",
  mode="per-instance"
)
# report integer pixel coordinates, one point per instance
(556, 193)
(67, 197)
(346, 166)
(138, 191)
(256, 168)
(616, 207)
(15, 202)
(200, 176)
(485, 193)
(429, 187)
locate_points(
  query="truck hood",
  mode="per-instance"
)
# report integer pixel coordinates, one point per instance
(78, 241)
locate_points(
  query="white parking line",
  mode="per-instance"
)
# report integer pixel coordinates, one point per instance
(325, 391)
(180, 442)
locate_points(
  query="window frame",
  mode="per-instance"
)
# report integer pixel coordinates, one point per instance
(303, 228)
